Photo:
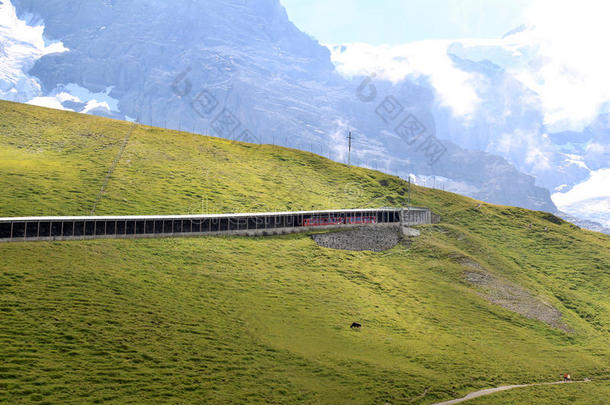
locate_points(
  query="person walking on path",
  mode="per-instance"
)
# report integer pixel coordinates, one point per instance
(566, 376)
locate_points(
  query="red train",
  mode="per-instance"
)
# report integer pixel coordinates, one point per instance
(324, 221)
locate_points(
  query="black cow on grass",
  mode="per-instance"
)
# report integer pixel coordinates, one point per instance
(356, 325)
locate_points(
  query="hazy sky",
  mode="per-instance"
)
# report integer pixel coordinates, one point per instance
(391, 22)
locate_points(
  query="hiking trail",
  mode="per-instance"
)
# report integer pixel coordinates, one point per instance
(489, 391)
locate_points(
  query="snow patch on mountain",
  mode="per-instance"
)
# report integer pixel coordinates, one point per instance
(48, 102)
(79, 99)
(22, 43)
(589, 200)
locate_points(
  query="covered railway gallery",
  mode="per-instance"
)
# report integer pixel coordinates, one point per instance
(66, 228)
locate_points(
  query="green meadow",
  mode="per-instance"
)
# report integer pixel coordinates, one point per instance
(266, 320)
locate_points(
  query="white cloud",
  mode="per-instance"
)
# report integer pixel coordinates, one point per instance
(597, 148)
(537, 158)
(455, 87)
(535, 150)
(573, 62)
(561, 55)
(576, 160)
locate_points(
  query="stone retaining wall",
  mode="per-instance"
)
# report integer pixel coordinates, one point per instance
(370, 238)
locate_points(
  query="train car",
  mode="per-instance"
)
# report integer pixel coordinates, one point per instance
(323, 221)
(361, 220)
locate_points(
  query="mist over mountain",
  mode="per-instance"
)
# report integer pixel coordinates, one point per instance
(242, 70)
(544, 112)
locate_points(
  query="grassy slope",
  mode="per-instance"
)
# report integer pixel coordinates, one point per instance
(222, 319)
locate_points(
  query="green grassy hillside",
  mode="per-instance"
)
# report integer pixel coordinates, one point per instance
(221, 320)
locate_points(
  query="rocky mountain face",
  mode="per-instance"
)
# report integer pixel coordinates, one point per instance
(240, 69)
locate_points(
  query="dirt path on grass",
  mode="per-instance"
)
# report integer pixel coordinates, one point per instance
(488, 391)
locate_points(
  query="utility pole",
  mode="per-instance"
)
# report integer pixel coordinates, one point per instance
(409, 192)
(349, 150)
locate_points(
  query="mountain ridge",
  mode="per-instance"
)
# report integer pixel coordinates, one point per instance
(275, 81)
